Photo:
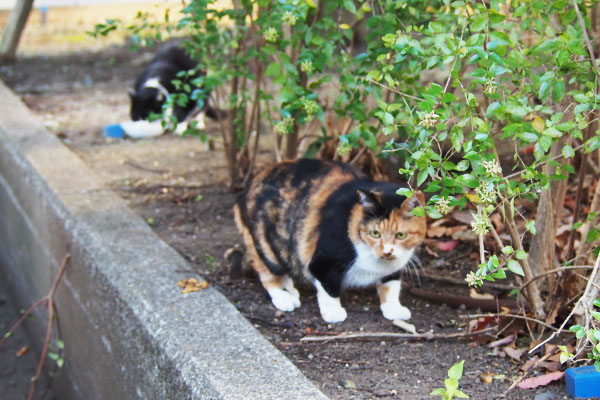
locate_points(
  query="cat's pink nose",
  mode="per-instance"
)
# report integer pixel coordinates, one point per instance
(388, 254)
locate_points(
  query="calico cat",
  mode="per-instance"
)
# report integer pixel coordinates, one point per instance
(334, 225)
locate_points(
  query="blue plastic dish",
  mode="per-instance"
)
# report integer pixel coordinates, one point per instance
(114, 131)
(583, 382)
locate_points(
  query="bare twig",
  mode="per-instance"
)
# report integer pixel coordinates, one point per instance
(580, 303)
(394, 335)
(553, 271)
(533, 291)
(537, 321)
(515, 174)
(586, 38)
(462, 282)
(134, 164)
(49, 301)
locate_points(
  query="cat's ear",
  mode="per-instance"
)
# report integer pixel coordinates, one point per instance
(417, 200)
(131, 93)
(368, 199)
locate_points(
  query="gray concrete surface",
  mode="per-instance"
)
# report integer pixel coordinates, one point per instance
(128, 331)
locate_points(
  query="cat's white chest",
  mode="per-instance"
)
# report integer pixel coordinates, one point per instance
(368, 269)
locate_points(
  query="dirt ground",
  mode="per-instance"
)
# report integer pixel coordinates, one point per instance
(179, 187)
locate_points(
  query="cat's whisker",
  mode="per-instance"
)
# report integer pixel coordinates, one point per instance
(415, 263)
(407, 269)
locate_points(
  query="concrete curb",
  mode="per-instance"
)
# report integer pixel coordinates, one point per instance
(128, 331)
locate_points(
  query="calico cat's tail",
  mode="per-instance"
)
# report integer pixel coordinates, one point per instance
(235, 259)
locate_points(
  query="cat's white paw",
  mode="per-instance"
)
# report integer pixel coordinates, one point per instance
(333, 314)
(283, 300)
(296, 299)
(288, 286)
(393, 311)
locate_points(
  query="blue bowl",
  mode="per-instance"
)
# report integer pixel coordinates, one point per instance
(114, 131)
(583, 382)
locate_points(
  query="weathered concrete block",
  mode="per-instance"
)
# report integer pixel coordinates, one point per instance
(128, 331)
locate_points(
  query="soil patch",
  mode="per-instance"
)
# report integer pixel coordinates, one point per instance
(179, 187)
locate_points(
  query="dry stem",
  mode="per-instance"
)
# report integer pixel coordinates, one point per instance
(584, 303)
(49, 300)
(394, 335)
(533, 290)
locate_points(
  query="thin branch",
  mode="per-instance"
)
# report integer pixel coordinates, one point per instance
(396, 91)
(555, 270)
(579, 302)
(515, 174)
(394, 335)
(462, 282)
(49, 300)
(537, 321)
(586, 37)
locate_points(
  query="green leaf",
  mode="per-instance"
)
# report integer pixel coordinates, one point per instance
(544, 91)
(349, 5)
(521, 255)
(435, 90)
(418, 211)
(508, 250)
(530, 225)
(460, 394)
(514, 267)
(456, 371)
(388, 118)
(575, 328)
(463, 165)
(406, 192)
(273, 69)
(568, 151)
(433, 213)
(422, 177)
(438, 392)
(558, 91)
(499, 274)
(479, 23)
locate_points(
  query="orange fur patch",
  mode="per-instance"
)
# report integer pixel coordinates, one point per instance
(383, 291)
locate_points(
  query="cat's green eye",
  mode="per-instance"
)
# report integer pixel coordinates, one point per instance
(375, 234)
(401, 235)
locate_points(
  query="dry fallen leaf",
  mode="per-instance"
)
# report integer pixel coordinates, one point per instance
(552, 366)
(22, 351)
(447, 245)
(529, 364)
(502, 341)
(541, 380)
(513, 353)
(191, 285)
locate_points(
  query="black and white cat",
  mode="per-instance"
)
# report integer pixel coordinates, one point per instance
(155, 84)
